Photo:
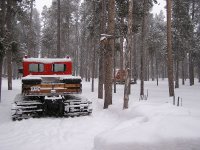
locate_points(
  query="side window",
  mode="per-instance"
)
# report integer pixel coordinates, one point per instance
(59, 67)
(36, 67)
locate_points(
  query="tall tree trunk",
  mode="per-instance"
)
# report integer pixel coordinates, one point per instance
(109, 54)
(83, 47)
(76, 69)
(86, 61)
(121, 48)
(169, 49)
(131, 57)
(191, 69)
(101, 74)
(183, 72)
(81, 57)
(152, 68)
(2, 24)
(114, 66)
(148, 69)
(101, 53)
(1, 64)
(146, 64)
(93, 63)
(135, 59)
(143, 34)
(9, 68)
(8, 38)
(177, 74)
(68, 28)
(191, 53)
(58, 30)
(93, 49)
(4, 69)
(128, 56)
(199, 71)
(164, 71)
(157, 68)
(30, 41)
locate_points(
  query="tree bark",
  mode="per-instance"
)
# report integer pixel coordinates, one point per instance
(101, 75)
(128, 56)
(83, 49)
(1, 64)
(135, 75)
(58, 30)
(144, 19)
(164, 71)
(86, 61)
(30, 38)
(199, 71)
(8, 38)
(93, 48)
(169, 49)
(191, 69)
(152, 68)
(76, 63)
(191, 54)
(177, 74)
(183, 72)
(109, 54)
(121, 48)
(157, 76)
(146, 63)
(93, 63)
(2, 23)
(68, 28)
(101, 53)
(114, 67)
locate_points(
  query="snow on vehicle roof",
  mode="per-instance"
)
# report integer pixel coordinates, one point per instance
(47, 60)
(39, 77)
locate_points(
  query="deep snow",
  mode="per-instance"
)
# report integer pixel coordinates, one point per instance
(154, 124)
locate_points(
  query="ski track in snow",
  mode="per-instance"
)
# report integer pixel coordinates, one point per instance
(147, 125)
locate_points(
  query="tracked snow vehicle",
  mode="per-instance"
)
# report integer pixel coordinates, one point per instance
(120, 77)
(49, 89)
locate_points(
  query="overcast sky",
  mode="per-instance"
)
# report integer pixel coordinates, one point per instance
(40, 3)
(156, 9)
(160, 6)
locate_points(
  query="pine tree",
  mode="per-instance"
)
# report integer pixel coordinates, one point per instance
(58, 30)
(183, 29)
(169, 49)
(128, 55)
(143, 37)
(101, 53)
(109, 54)
(2, 48)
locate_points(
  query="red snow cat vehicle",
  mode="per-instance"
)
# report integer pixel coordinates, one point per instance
(49, 89)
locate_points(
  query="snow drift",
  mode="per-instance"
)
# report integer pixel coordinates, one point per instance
(154, 124)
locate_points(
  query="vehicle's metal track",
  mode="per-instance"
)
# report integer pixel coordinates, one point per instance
(59, 106)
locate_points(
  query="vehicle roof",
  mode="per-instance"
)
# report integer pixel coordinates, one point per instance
(46, 60)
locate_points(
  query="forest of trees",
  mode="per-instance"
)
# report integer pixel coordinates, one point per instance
(103, 35)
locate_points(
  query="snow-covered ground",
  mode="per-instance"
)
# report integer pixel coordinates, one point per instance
(154, 124)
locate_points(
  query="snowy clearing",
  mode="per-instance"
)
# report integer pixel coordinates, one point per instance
(154, 124)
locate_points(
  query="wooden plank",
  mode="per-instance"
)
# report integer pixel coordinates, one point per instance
(46, 91)
(62, 85)
(72, 85)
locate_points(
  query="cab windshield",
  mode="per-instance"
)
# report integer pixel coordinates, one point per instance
(59, 67)
(36, 67)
